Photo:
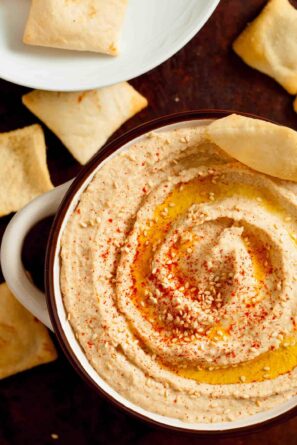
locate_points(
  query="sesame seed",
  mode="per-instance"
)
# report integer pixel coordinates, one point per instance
(213, 404)
(153, 300)
(242, 378)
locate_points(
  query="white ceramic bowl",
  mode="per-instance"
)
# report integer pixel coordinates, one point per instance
(153, 31)
(63, 200)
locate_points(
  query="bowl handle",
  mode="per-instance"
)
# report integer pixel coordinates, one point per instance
(11, 249)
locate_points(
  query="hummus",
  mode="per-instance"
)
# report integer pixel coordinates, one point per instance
(178, 277)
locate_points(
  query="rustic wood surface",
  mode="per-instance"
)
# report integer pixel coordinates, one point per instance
(52, 399)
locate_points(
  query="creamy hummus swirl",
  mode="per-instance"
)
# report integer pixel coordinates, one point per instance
(216, 283)
(178, 278)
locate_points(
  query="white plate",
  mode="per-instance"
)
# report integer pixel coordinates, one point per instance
(153, 31)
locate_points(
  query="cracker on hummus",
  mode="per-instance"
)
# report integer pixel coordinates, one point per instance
(261, 145)
(269, 43)
(85, 120)
(24, 341)
(92, 25)
(23, 169)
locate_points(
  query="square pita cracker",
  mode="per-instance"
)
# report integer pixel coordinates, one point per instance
(24, 341)
(23, 169)
(83, 25)
(85, 120)
(269, 43)
(261, 145)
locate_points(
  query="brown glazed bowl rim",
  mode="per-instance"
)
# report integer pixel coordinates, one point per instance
(87, 170)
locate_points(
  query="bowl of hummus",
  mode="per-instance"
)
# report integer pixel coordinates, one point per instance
(170, 278)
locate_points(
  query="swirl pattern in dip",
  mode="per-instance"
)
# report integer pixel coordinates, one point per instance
(178, 277)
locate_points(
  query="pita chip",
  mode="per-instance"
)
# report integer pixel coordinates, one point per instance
(261, 145)
(269, 43)
(83, 25)
(24, 341)
(85, 120)
(23, 169)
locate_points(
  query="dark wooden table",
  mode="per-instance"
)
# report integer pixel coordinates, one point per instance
(205, 74)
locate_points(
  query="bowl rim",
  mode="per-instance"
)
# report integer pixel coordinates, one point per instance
(85, 172)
